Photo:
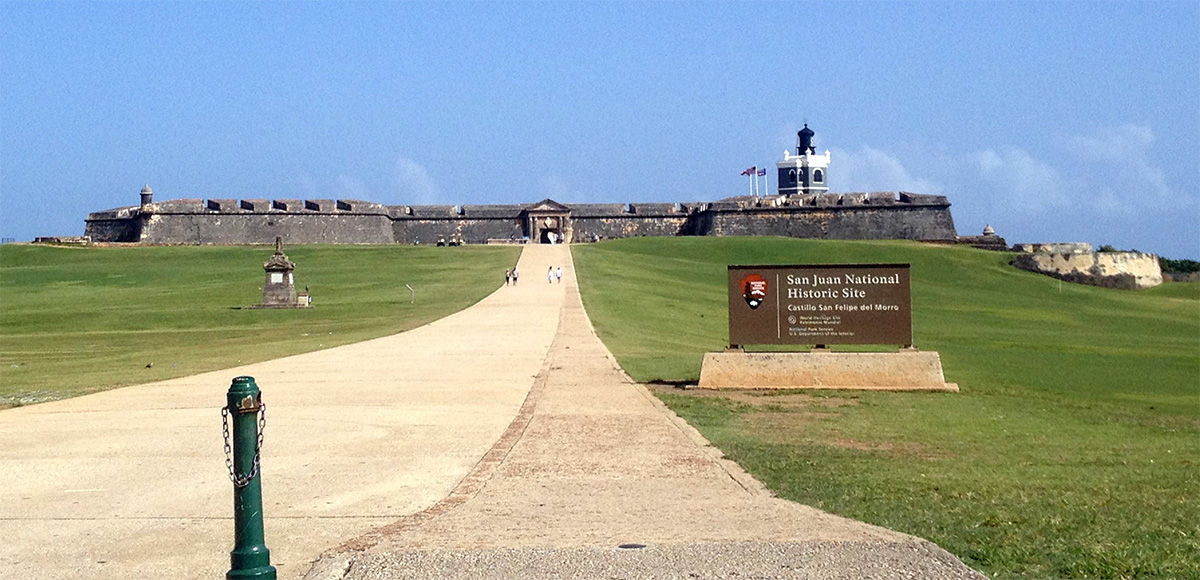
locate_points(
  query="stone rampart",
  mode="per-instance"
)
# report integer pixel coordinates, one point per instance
(471, 231)
(259, 228)
(628, 226)
(845, 216)
(119, 225)
(231, 221)
(1054, 248)
(833, 222)
(609, 221)
(1124, 270)
(473, 224)
(880, 215)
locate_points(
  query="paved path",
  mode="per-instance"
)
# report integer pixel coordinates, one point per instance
(132, 483)
(594, 462)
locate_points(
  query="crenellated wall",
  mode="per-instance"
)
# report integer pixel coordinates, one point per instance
(119, 225)
(628, 227)
(858, 223)
(847, 216)
(317, 228)
(609, 221)
(471, 231)
(258, 221)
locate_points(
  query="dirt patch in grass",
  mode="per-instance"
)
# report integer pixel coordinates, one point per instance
(791, 417)
(792, 427)
(763, 397)
(783, 428)
(896, 448)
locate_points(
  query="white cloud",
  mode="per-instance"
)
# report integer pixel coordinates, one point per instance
(1105, 187)
(1018, 180)
(1108, 203)
(352, 188)
(415, 185)
(1120, 157)
(554, 187)
(308, 187)
(870, 169)
(1112, 143)
(785, 138)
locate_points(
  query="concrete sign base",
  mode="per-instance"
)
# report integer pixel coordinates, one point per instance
(905, 370)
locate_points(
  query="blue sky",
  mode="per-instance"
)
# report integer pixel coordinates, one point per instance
(1052, 121)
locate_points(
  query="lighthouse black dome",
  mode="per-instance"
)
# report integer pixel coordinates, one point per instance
(805, 145)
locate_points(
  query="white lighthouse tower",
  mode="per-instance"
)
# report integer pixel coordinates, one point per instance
(806, 171)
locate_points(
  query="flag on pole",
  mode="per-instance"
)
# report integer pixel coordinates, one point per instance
(750, 171)
(762, 172)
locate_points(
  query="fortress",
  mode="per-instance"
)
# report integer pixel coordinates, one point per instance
(802, 208)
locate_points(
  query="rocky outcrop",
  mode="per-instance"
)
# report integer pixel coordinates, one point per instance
(1123, 270)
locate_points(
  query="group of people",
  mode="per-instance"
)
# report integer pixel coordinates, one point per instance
(552, 275)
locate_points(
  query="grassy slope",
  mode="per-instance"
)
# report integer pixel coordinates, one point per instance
(1072, 451)
(77, 320)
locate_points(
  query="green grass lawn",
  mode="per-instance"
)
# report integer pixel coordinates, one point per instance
(1072, 450)
(79, 320)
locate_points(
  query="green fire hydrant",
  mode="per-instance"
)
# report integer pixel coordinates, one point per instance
(250, 557)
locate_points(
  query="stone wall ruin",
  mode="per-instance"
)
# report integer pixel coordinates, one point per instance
(1076, 262)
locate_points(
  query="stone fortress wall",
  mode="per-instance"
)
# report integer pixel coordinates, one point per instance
(849, 216)
(1076, 262)
(803, 208)
(255, 221)
(259, 221)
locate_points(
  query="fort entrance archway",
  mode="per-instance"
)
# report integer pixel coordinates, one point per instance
(548, 222)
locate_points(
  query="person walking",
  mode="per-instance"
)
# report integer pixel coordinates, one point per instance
(507, 277)
(514, 276)
(558, 274)
(550, 275)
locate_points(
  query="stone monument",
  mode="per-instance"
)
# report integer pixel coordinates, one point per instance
(279, 288)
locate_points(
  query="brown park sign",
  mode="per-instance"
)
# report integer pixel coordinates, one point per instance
(820, 305)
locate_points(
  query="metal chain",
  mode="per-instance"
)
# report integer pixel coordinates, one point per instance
(262, 425)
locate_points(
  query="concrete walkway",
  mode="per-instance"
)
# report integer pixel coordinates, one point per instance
(595, 462)
(132, 483)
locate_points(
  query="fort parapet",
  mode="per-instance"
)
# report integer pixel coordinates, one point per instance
(247, 221)
(879, 215)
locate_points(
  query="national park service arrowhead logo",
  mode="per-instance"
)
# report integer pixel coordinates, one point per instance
(754, 290)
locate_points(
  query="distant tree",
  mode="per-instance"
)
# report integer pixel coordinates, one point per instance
(1179, 266)
(1109, 248)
